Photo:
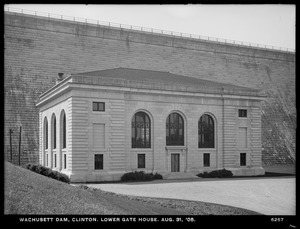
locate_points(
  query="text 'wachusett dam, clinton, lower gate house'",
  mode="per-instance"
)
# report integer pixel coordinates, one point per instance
(96, 126)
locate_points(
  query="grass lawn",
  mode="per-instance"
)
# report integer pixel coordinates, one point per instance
(26, 192)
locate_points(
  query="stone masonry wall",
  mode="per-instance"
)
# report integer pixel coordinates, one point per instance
(38, 48)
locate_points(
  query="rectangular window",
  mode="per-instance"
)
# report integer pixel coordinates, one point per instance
(98, 161)
(65, 161)
(46, 141)
(242, 138)
(98, 106)
(243, 159)
(242, 113)
(54, 134)
(46, 136)
(64, 132)
(99, 135)
(141, 161)
(206, 160)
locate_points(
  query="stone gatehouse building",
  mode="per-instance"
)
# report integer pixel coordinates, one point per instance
(37, 47)
(96, 126)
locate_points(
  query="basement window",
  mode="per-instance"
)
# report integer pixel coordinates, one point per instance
(141, 161)
(55, 160)
(98, 161)
(243, 159)
(65, 161)
(206, 160)
(98, 106)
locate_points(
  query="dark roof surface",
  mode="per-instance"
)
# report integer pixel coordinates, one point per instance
(139, 78)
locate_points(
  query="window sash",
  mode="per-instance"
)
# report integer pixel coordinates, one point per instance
(46, 134)
(98, 161)
(141, 161)
(243, 159)
(206, 160)
(242, 113)
(98, 106)
(206, 132)
(141, 131)
(174, 130)
(54, 133)
(65, 161)
(64, 132)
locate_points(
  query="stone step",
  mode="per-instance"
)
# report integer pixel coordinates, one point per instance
(180, 175)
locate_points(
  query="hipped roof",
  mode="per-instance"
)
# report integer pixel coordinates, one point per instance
(149, 79)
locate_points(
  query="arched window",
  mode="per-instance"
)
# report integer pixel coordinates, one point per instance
(54, 131)
(64, 132)
(46, 133)
(206, 132)
(140, 131)
(175, 130)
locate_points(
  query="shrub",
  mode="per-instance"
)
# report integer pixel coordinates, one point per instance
(43, 170)
(157, 176)
(140, 176)
(28, 166)
(48, 172)
(216, 173)
(63, 177)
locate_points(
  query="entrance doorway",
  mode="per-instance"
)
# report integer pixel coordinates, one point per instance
(175, 162)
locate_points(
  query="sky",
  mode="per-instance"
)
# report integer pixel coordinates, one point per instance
(272, 25)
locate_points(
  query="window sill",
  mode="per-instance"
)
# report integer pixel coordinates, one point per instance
(98, 112)
(141, 149)
(176, 147)
(207, 149)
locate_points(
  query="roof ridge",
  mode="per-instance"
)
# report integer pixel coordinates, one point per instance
(144, 70)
